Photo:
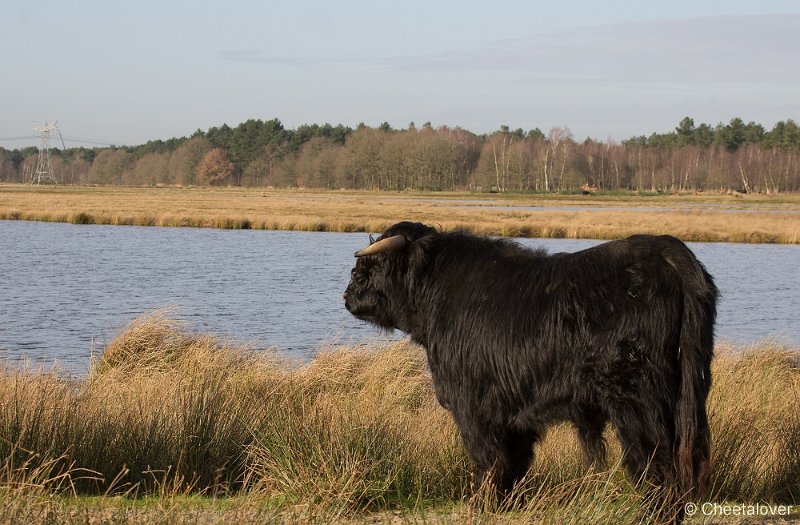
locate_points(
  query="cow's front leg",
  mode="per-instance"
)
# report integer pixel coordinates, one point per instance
(501, 456)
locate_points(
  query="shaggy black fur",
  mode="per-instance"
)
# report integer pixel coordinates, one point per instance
(518, 339)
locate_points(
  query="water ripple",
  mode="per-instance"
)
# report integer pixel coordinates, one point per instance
(65, 288)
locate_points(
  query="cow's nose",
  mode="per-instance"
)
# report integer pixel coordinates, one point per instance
(344, 296)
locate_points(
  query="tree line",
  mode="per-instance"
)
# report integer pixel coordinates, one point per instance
(736, 156)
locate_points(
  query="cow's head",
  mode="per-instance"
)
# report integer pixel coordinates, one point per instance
(379, 282)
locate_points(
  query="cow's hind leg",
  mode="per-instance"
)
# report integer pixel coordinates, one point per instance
(515, 460)
(591, 422)
(646, 432)
(647, 438)
(647, 460)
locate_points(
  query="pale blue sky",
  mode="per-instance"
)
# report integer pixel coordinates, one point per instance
(126, 72)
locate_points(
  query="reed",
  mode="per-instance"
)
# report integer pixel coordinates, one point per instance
(689, 217)
(169, 426)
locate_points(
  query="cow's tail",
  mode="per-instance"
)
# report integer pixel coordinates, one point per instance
(696, 351)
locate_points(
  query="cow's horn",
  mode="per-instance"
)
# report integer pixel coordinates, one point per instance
(388, 244)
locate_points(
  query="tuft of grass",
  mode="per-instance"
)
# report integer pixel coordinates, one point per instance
(80, 218)
(170, 426)
(755, 423)
(360, 430)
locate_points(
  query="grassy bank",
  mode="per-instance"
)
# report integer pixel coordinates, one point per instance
(691, 217)
(174, 427)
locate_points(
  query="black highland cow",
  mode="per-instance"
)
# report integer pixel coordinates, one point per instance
(517, 340)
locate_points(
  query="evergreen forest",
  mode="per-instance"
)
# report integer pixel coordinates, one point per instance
(733, 157)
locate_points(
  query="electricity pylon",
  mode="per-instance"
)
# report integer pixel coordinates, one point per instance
(44, 169)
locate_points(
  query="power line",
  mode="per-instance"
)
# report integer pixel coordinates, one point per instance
(72, 140)
(89, 141)
(27, 137)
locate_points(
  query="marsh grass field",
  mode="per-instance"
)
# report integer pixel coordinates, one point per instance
(170, 426)
(707, 217)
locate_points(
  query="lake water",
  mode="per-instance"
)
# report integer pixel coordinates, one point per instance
(66, 289)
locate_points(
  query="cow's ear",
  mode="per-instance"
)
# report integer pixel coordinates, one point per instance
(418, 252)
(418, 259)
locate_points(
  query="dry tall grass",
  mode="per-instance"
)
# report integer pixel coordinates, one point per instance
(174, 427)
(690, 217)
